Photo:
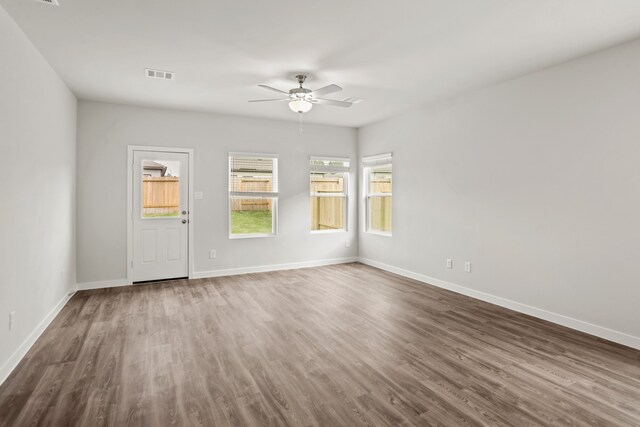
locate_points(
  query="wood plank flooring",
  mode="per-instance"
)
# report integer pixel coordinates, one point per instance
(343, 345)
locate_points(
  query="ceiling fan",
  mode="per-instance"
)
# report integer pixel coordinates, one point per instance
(302, 99)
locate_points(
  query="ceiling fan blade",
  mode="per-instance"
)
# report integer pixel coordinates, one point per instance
(354, 100)
(332, 102)
(272, 99)
(274, 89)
(326, 90)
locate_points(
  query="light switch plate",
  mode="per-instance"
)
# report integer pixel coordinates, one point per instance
(198, 195)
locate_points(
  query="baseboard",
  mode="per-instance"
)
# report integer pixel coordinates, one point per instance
(227, 272)
(272, 267)
(16, 357)
(569, 322)
(102, 284)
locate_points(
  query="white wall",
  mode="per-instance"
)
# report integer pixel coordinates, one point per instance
(37, 158)
(536, 182)
(105, 130)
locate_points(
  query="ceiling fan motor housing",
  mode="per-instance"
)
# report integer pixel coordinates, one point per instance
(299, 92)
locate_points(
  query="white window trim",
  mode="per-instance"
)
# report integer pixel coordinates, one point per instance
(331, 158)
(264, 195)
(345, 171)
(369, 162)
(261, 155)
(368, 217)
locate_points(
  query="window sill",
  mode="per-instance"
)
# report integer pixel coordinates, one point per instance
(250, 236)
(342, 230)
(379, 233)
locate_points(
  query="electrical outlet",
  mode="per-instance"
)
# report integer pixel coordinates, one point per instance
(197, 195)
(12, 319)
(212, 253)
(347, 243)
(467, 266)
(449, 263)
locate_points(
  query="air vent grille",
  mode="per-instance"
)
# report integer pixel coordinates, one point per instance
(159, 74)
(51, 2)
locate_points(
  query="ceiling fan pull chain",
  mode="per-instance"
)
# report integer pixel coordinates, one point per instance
(300, 116)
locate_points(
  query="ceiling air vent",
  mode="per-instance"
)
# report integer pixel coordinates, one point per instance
(51, 2)
(158, 74)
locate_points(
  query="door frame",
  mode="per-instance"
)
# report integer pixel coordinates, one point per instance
(130, 150)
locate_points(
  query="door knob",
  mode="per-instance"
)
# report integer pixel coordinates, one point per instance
(184, 221)
(184, 212)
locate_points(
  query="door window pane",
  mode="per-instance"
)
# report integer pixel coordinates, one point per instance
(160, 189)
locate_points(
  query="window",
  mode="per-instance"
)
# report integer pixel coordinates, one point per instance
(160, 189)
(328, 190)
(378, 184)
(253, 195)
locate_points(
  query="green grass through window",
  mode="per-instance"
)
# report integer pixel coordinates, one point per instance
(251, 222)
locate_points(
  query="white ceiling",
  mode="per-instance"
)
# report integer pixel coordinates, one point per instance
(396, 54)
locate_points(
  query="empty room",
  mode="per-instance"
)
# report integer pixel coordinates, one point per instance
(320, 213)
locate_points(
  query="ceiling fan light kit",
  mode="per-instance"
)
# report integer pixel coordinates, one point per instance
(300, 105)
(301, 99)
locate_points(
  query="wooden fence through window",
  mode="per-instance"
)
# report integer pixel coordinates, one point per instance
(380, 207)
(259, 185)
(327, 212)
(161, 196)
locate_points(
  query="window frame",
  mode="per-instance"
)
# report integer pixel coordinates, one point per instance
(274, 195)
(345, 171)
(368, 163)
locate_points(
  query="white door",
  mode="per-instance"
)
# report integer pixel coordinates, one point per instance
(160, 215)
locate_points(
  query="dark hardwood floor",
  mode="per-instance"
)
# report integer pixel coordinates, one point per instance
(340, 345)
